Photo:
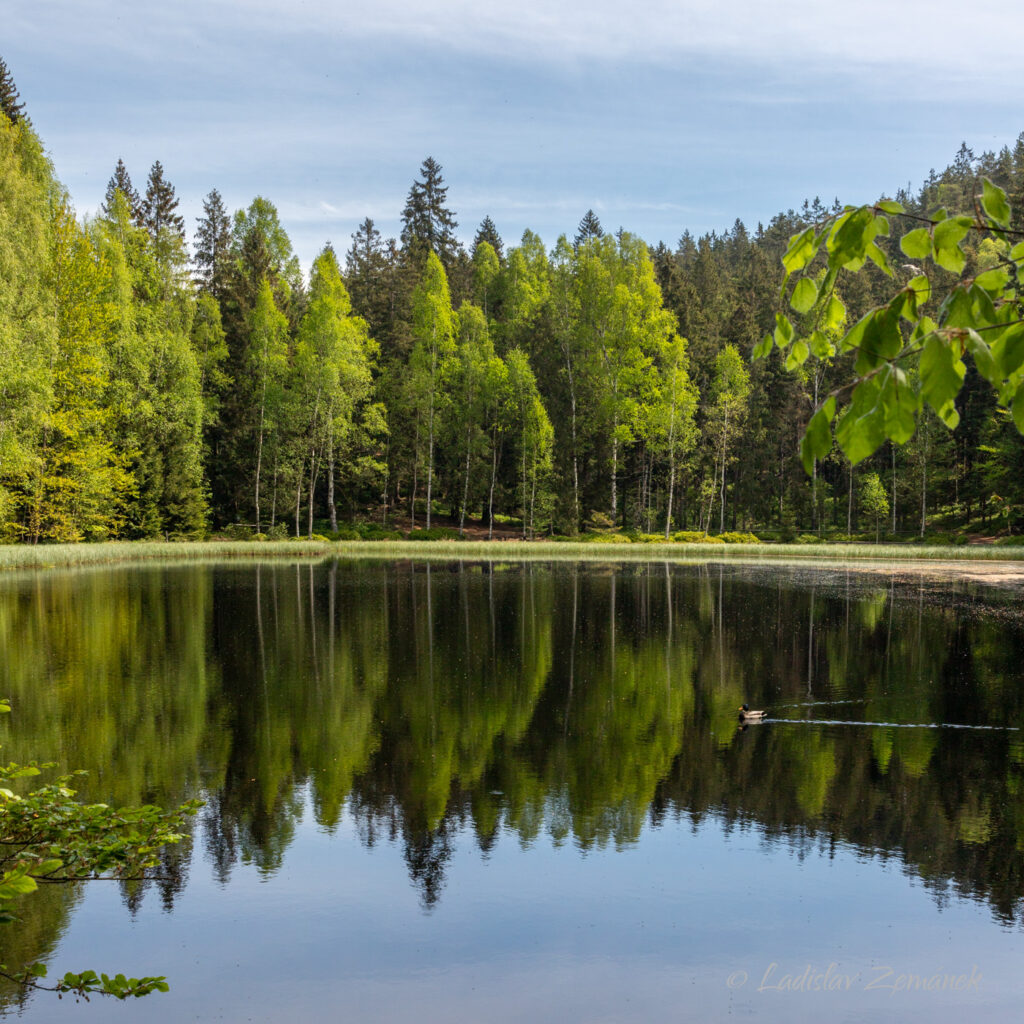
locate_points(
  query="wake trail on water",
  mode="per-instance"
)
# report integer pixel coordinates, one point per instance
(893, 725)
(820, 703)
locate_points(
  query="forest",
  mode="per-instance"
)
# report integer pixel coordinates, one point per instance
(155, 383)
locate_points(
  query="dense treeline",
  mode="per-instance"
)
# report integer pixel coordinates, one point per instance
(146, 391)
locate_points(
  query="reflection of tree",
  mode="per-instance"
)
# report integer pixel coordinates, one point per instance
(576, 703)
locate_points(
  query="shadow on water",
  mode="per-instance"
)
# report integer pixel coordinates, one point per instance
(573, 703)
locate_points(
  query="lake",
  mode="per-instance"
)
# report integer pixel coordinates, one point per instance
(464, 791)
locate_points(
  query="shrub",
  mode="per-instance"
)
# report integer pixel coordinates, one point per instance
(435, 533)
(695, 537)
(739, 538)
(605, 538)
(238, 531)
(345, 533)
(372, 531)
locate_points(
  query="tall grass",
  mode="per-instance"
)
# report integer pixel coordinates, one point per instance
(117, 552)
(45, 556)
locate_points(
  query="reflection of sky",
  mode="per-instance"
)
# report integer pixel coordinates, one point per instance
(669, 116)
(652, 932)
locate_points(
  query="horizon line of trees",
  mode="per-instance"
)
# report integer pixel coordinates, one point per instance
(149, 391)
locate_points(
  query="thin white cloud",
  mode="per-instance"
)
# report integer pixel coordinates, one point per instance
(911, 35)
(917, 33)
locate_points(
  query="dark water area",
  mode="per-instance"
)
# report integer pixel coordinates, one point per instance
(505, 792)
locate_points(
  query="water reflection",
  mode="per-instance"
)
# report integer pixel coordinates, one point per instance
(522, 701)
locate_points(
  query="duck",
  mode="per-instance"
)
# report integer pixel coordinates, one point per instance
(746, 715)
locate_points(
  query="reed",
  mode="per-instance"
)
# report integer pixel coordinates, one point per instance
(17, 556)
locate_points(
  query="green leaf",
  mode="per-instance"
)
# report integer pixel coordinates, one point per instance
(1008, 349)
(855, 335)
(917, 244)
(921, 290)
(817, 440)
(900, 407)
(16, 883)
(850, 237)
(994, 280)
(805, 294)
(1017, 252)
(957, 310)
(797, 355)
(46, 867)
(947, 236)
(835, 313)
(861, 429)
(983, 358)
(879, 258)
(802, 249)
(783, 330)
(952, 259)
(890, 206)
(993, 202)
(942, 374)
(881, 341)
(762, 348)
(821, 347)
(1018, 411)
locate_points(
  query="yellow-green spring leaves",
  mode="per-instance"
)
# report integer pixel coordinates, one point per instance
(904, 359)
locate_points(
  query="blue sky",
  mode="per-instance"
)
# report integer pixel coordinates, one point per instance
(663, 117)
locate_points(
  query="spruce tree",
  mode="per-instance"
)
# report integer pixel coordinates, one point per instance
(487, 232)
(121, 182)
(590, 227)
(160, 203)
(213, 246)
(10, 101)
(426, 221)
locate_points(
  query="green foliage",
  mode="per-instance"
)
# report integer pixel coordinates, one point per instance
(906, 357)
(47, 836)
(734, 537)
(695, 537)
(433, 533)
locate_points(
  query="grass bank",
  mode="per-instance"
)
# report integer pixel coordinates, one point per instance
(119, 552)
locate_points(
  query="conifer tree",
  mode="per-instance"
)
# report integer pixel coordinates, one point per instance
(10, 101)
(121, 182)
(426, 221)
(213, 246)
(365, 271)
(160, 203)
(590, 227)
(487, 232)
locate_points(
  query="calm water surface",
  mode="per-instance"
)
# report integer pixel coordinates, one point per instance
(506, 792)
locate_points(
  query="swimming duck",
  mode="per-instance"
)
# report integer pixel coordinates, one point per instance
(746, 715)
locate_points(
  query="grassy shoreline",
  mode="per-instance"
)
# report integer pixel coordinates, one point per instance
(121, 552)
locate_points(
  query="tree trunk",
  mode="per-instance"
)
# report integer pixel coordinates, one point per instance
(671, 489)
(331, 509)
(490, 497)
(615, 473)
(725, 449)
(313, 473)
(259, 457)
(430, 446)
(849, 505)
(924, 485)
(465, 489)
